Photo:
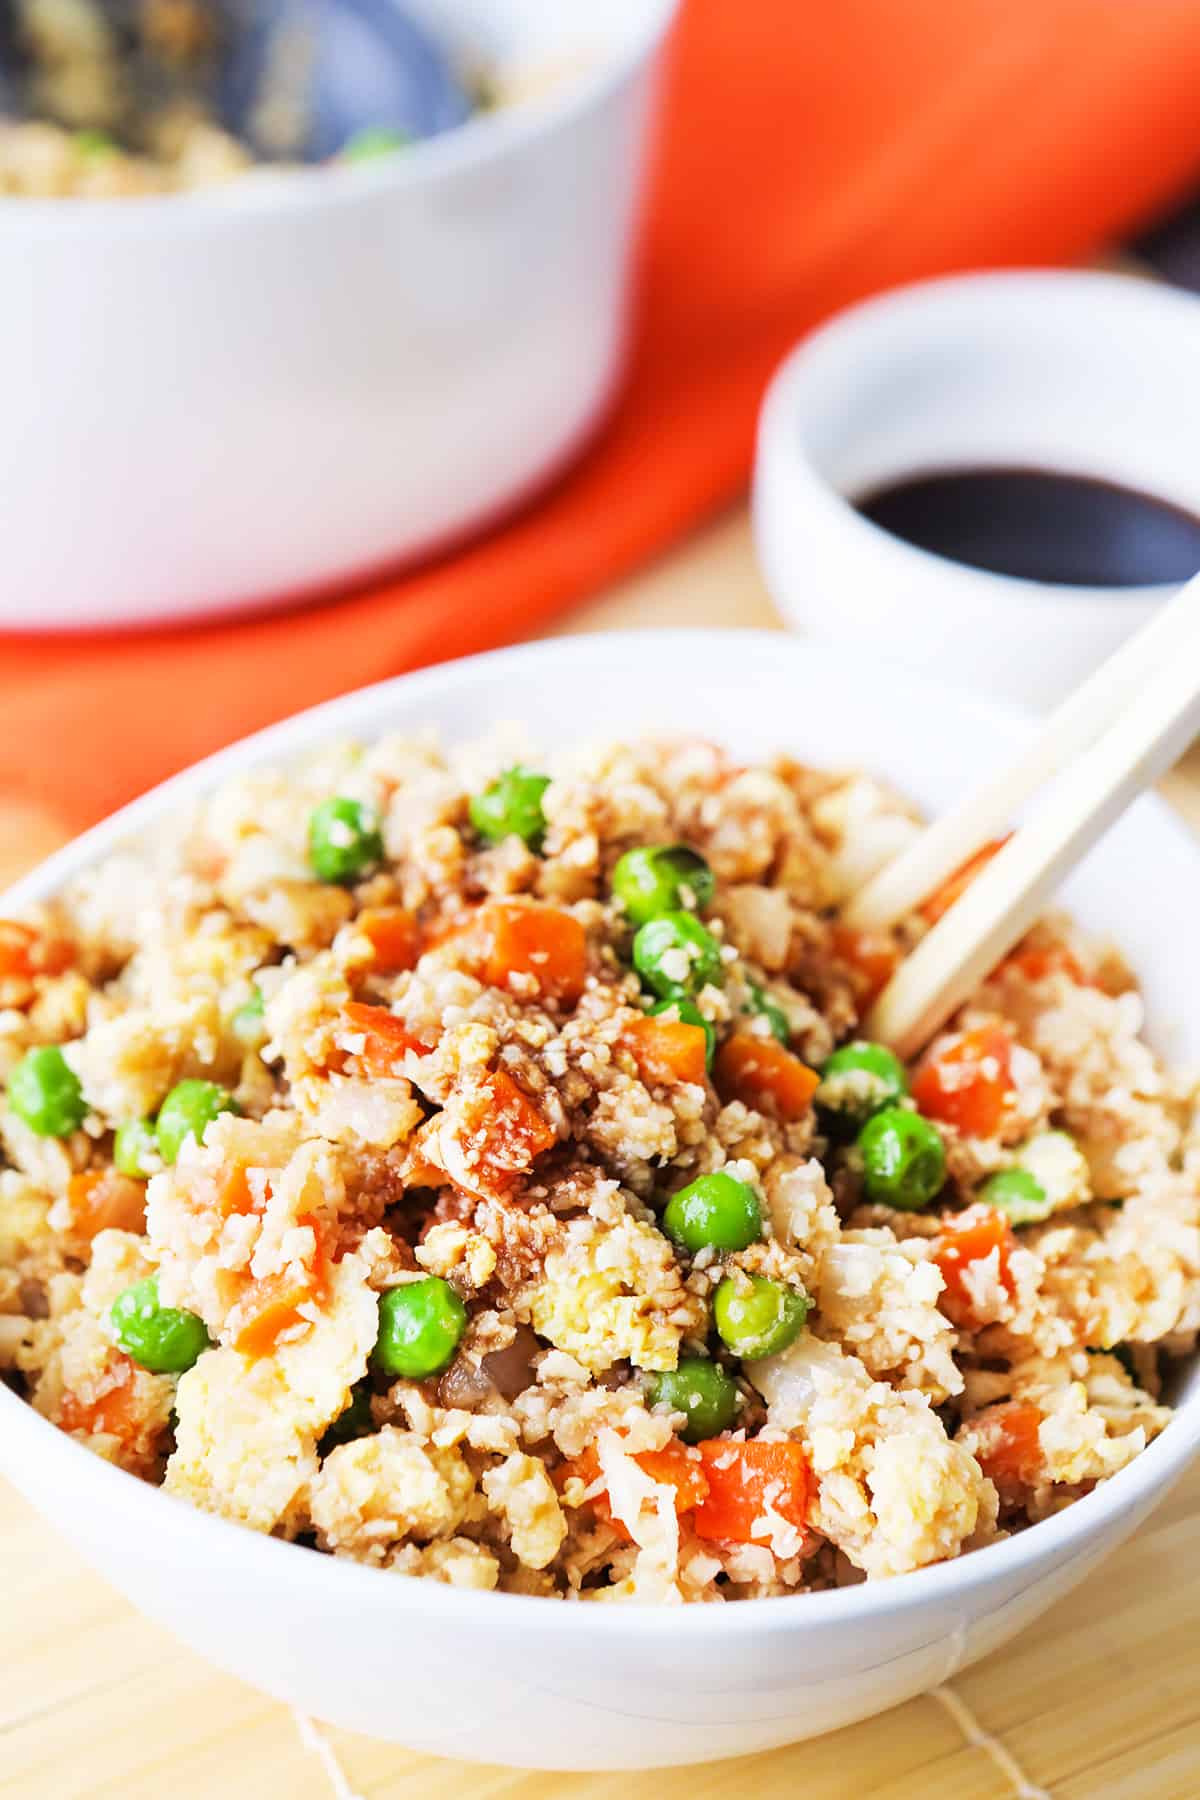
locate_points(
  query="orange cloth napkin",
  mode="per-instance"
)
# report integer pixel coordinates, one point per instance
(810, 155)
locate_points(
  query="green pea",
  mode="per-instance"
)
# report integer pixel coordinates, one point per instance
(774, 1015)
(676, 956)
(135, 1149)
(904, 1160)
(858, 1080)
(373, 141)
(758, 1317)
(511, 807)
(247, 1022)
(1059, 1174)
(354, 1421)
(1018, 1194)
(45, 1091)
(688, 1014)
(703, 1390)
(661, 878)
(188, 1110)
(420, 1326)
(343, 839)
(715, 1212)
(94, 144)
(163, 1339)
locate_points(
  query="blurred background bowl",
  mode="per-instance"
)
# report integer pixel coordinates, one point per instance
(235, 398)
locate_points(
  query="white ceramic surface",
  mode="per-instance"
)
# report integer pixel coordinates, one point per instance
(224, 400)
(502, 1678)
(1095, 374)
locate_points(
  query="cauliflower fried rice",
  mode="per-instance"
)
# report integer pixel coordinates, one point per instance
(478, 1172)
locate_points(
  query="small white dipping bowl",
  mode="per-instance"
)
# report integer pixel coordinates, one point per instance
(544, 1683)
(1084, 373)
(232, 398)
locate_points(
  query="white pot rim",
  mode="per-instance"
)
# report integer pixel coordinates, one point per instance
(482, 138)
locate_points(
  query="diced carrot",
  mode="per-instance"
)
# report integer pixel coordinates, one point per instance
(234, 1193)
(394, 937)
(387, 1039)
(759, 1072)
(541, 942)
(123, 1408)
(265, 1311)
(952, 889)
(678, 1467)
(1008, 1448)
(1036, 961)
(667, 1050)
(109, 1410)
(726, 1486)
(501, 1133)
(675, 1466)
(969, 1237)
(17, 945)
(507, 938)
(585, 1467)
(270, 1306)
(871, 956)
(225, 1190)
(24, 951)
(54, 955)
(102, 1200)
(745, 1482)
(966, 1081)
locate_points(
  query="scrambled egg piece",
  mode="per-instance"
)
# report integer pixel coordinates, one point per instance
(522, 1493)
(247, 1431)
(614, 1291)
(128, 1063)
(459, 1562)
(893, 1491)
(881, 1302)
(374, 1493)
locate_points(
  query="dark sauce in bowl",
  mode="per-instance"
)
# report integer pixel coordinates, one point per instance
(1041, 525)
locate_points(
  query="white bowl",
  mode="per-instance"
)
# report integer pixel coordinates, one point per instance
(1093, 374)
(225, 400)
(543, 1683)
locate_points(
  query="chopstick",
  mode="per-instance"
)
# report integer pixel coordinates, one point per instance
(1124, 727)
(946, 844)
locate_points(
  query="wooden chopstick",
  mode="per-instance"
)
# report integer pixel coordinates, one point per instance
(947, 843)
(1150, 720)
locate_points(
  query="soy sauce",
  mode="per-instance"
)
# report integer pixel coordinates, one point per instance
(1042, 525)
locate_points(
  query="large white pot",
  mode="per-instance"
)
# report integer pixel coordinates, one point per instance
(504, 1678)
(223, 400)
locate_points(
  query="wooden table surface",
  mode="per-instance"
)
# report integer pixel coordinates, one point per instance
(1098, 1701)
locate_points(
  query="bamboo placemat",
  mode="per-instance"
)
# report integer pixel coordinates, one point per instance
(1098, 1701)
